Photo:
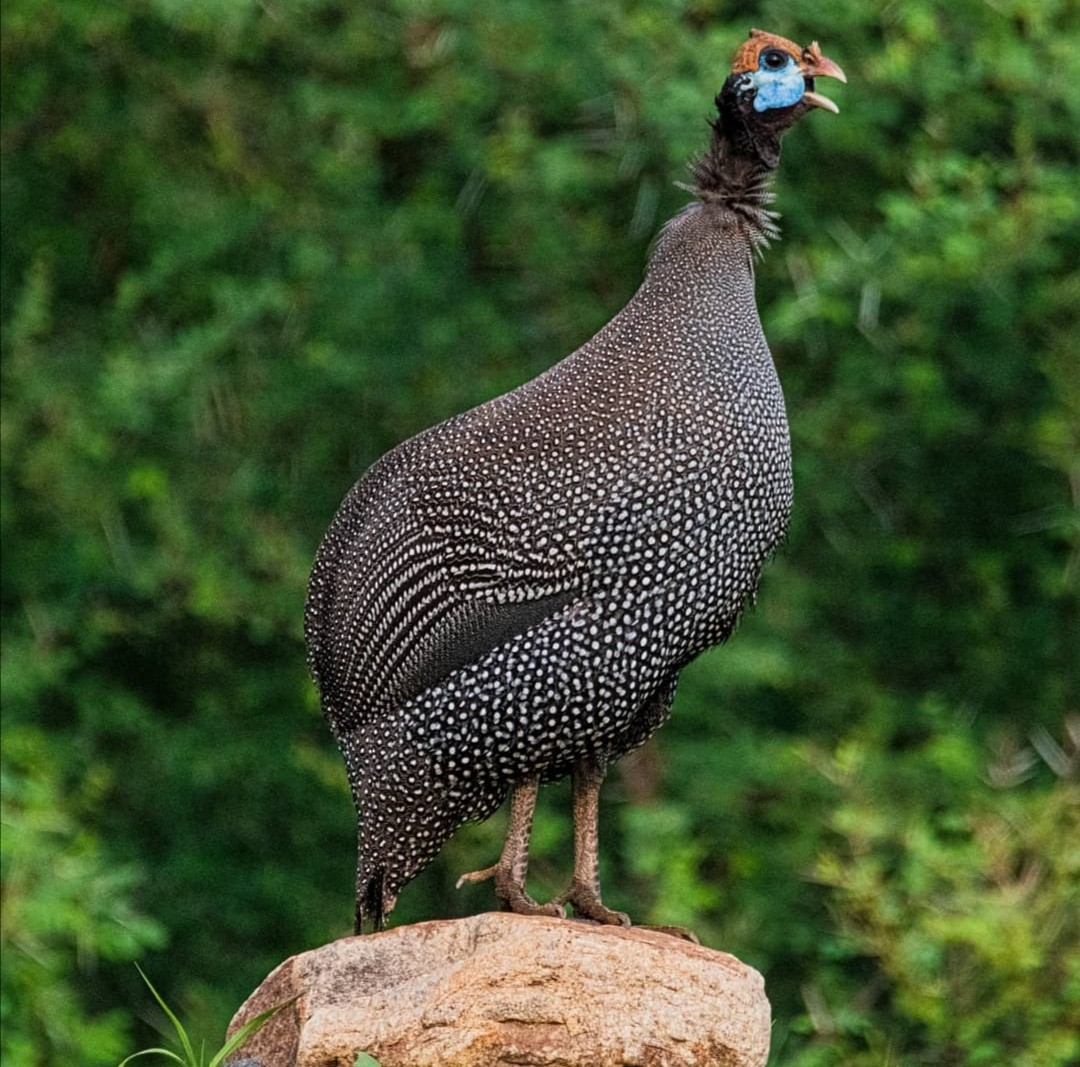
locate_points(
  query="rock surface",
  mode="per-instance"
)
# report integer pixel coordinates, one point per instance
(502, 989)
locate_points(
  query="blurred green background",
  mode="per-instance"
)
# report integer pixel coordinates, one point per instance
(249, 246)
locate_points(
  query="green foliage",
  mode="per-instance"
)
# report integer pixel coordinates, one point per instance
(969, 911)
(66, 909)
(250, 246)
(188, 1057)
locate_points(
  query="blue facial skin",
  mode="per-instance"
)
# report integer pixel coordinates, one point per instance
(777, 88)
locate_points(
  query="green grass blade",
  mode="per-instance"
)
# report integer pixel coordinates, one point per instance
(181, 1033)
(151, 1052)
(246, 1031)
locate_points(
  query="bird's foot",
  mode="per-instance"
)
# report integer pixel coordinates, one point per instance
(585, 900)
(511, 893)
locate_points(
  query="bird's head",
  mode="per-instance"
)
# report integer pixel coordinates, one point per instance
(771, 86)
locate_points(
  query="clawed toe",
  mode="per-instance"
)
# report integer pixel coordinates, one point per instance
(522, 904)
(511, 895)
(587, 905)
(476, 876)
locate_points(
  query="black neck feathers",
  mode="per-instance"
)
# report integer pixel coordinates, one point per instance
(736, 170)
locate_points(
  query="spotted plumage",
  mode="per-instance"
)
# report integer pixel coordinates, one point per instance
(510, 595)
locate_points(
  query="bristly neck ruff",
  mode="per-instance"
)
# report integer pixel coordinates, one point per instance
(737, 168)
(741, 184)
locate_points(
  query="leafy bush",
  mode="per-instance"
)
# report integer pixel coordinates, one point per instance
(66, 908)
(964, 897)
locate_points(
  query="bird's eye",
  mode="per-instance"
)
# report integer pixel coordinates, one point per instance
(773, 59)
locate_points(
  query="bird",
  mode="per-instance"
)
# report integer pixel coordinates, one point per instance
(508, 597)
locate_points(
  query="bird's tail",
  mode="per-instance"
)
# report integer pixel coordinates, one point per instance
(373, 903)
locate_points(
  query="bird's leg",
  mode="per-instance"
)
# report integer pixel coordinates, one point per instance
(584, 891)
(509, 872)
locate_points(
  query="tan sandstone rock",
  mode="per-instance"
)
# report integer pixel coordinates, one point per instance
(501, 989)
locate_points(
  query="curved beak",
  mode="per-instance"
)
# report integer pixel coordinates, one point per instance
(815, 65)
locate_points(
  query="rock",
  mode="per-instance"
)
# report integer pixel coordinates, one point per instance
(502, 989)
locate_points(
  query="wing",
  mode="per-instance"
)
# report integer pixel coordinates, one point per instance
(407, 589)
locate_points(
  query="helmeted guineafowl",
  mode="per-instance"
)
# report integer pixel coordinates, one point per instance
(509, 596)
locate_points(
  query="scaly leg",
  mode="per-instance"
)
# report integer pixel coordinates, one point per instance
(584, 891)
(509, 872)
